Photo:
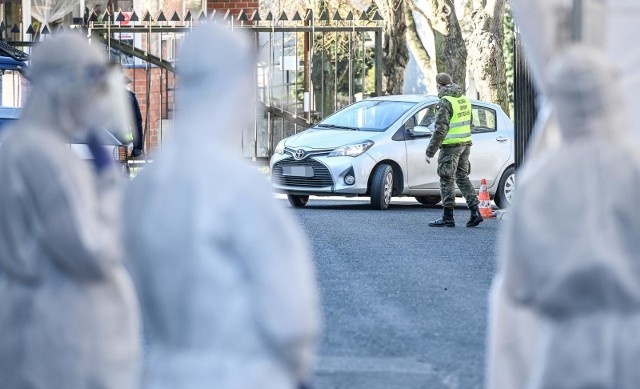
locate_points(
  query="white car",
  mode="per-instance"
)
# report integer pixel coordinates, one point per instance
(376, 148)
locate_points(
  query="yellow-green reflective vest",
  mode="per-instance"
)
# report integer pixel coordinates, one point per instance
(460, 124)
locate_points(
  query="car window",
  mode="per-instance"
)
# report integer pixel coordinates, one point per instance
(483, 119)
(367, 115)
(426, 117)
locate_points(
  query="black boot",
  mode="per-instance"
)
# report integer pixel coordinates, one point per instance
(476, 217)
(446, 221)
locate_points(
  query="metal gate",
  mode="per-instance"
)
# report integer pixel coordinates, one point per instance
(524, 102)
(308, 68)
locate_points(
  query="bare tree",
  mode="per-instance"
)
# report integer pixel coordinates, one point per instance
(485, 50)
(451, 52)
(450, 49)
(472, 42)
(420, 52)
(394, 45)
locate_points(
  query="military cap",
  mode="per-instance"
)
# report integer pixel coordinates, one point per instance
(443, 79)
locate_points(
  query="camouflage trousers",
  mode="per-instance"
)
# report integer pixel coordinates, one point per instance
(454, 168)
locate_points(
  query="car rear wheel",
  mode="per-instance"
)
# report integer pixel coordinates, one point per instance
(297, 201)
(428, 200)
(382, 187)
(505, 188)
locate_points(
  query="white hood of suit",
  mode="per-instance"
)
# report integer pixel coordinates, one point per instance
(222, 270)
(216, 96)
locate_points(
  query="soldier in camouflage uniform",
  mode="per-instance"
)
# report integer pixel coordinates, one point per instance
(452, 136)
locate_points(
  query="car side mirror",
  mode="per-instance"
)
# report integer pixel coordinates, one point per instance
(419, 132)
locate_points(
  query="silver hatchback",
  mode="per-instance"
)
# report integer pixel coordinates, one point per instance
(376, 148)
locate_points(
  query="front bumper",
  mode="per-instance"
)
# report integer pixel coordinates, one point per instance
(328, 176)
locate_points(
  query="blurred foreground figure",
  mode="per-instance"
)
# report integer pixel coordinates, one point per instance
(223, 272)
(565, 306)
(68, 316)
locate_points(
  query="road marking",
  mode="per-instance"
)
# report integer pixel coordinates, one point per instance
(373, 365)
(332, 365)
(364, 200)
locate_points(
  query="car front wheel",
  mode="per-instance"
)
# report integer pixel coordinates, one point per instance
(297, 201)
(382, 187)
(505, 188)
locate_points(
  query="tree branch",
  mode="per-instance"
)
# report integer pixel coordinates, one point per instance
(414, 7)
(420, 52)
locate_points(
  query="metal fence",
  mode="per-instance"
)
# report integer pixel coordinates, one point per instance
(524, 102)
(308, 68)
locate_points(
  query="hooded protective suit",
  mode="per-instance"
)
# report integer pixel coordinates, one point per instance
(565, 306)
(68, 317)
(223, 272)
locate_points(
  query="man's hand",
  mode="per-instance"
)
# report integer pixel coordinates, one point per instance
(426, 158)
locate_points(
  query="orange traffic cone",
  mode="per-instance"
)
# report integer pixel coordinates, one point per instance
(485, 201)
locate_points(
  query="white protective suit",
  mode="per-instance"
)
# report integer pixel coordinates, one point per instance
(223, 272)
(565, 306)
(68, 316)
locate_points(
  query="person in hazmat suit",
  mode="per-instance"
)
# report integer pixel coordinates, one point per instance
(565, 304)
(223, 272)
(69, 315)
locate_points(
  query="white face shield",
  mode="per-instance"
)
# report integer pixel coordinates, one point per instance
(108, 106)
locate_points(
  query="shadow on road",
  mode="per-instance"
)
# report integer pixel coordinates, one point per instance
(366, 206)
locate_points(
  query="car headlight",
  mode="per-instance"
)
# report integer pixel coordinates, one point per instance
(352, 150)
(279, 148)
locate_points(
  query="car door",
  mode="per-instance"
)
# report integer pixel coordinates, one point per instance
(492, 145)
(421, 175)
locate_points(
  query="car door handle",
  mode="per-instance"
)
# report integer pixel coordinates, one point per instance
(502, 139)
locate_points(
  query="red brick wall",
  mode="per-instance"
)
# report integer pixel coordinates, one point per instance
(161, 96)
(161, 101)
(248, 6)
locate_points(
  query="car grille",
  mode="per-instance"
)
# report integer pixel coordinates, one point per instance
(321, 175)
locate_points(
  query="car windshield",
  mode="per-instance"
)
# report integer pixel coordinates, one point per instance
(368, 115)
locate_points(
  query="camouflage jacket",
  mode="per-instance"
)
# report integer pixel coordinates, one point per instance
(443, 118)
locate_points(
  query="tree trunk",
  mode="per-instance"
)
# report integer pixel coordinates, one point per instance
(420, 53)
(487, 59)
(394, 45)
(466, 23)
(451, 52)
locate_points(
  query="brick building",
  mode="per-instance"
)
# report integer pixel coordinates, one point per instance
(235, 6)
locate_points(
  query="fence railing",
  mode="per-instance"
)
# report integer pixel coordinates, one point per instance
(524, 102)
(309, 65)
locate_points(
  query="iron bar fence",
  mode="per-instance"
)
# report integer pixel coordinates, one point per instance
(308, 68)
(524, 102)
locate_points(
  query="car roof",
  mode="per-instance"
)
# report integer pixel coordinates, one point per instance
(406, 98)
(427, 99)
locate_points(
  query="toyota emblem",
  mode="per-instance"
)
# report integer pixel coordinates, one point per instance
(299, 154)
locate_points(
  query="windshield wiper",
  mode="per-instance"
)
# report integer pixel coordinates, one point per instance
(338, 127)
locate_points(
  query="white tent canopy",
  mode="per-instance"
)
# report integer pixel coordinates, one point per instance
(47, 11)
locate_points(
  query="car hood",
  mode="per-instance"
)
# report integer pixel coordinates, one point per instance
(326, 139)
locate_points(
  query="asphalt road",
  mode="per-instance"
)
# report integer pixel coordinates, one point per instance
(404, 304)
